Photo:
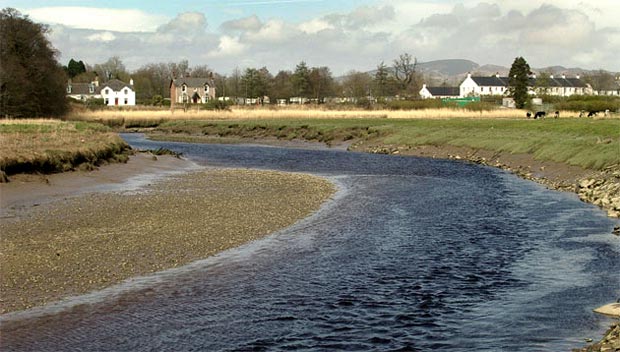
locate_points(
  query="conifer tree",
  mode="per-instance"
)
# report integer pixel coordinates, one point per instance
(518, 81)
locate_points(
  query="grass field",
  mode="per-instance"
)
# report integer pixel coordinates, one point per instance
(54, 146)
(591, 144)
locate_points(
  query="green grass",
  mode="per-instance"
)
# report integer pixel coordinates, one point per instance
(591, 144)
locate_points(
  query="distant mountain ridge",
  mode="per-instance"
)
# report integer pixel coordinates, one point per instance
(452, 71)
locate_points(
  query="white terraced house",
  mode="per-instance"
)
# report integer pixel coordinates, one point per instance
(496, 85)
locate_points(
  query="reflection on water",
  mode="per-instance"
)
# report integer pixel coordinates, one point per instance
(412, 254)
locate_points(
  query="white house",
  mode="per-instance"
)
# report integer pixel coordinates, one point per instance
(438, 92)
(84, 91)
(476, 86)
(118, 93)
(496, 85)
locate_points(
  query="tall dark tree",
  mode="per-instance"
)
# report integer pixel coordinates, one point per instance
(518, 81)
(282, 86)
(301, 80)
(321, 82)
(32, 82)
(75, 68)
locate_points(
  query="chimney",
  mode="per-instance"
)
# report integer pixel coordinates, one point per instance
(468, 75)
(534, 76)
(551, 76)
(131, 81)
(424, 86)
(497, 74)
(578, 77)
(96, 81)
(564, 76)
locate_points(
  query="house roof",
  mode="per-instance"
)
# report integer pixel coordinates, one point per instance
(83, 88)
(495, 81)
(492, 81)
(444, 91)
(193, 82)
(116, 85)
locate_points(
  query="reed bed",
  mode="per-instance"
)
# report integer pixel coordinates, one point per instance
(155, 117)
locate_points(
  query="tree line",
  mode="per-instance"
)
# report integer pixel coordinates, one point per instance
(313, 83)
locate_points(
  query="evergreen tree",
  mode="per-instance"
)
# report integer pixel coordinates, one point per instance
(75, 68)
(301, 80)
(518, 81)
(32, 82)
(381, 80)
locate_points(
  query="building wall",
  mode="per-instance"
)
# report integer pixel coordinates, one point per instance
(176, 94)
(125, 97)
(469, 87)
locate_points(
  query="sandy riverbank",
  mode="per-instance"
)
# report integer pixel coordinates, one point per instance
(68, 234)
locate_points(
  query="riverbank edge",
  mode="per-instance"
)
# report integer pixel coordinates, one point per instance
(117, 151)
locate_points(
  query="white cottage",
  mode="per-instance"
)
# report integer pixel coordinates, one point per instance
(118, 93)
(496, 85)
(438, 92)
(476, 86)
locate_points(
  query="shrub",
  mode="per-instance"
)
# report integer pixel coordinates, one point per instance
(415, 104)
(216, 105)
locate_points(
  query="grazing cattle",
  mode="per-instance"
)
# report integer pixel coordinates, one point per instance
(529, 114)
(556, 114)
(540, 115)
(606, 112)
(592, 113)
(582, 113)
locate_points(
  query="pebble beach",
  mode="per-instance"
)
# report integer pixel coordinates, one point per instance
(74, 245)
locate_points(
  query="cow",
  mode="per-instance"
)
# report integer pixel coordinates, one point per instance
(592, 113)
(540, 115)
(556, 114)
(528, 115)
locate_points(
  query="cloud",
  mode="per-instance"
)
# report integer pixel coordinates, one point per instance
(228, 47)
(250, 23)
(115, 20)
(187, 23)
(101, 37)
(493, 32)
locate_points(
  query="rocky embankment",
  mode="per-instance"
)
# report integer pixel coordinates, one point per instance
(609, 343)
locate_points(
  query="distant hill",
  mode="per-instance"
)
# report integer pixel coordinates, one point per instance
(452, 71)
(451, 67)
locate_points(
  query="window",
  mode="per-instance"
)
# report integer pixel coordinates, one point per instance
(125, 101)
(69, 89)
(184, 88)
(106, 101)
(126, 91)
(207, 88)
(91, 88)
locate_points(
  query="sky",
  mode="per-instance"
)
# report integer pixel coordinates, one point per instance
(341, 34)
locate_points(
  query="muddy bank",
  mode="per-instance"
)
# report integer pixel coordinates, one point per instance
(75, 242)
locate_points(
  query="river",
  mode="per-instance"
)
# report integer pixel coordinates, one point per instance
(411, 254)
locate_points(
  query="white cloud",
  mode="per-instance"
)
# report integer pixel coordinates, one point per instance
(97, 18)
(228, 46)
(101, 37)
(314, 26)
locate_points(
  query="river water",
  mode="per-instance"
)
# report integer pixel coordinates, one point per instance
(412, 254)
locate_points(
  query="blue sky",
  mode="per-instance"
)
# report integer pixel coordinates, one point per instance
(341, 34)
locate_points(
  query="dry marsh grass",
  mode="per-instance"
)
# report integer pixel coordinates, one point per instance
(44, 145)
(154, 117)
